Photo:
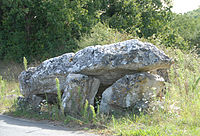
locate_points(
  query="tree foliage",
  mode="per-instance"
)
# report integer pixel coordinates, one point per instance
(143, 18)
(188, 26)
(40, 29)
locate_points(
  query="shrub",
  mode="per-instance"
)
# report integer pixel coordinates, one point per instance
(101, 34)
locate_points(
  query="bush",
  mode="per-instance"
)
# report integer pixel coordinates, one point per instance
(101, 34)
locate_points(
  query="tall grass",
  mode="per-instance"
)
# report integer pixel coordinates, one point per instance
(25, 63)
(59, 96)
(9, 91)
(93, 114)
(85, 112)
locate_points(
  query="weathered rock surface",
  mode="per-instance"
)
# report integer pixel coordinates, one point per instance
(40, 80)
(79, 88)
(111, 62)
(25, 81)
(126, 92)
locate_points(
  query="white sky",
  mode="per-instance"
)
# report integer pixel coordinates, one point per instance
(182, 6)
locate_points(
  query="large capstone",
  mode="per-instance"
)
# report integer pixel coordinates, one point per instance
(79, 88)
(111, 62)
(131, 91)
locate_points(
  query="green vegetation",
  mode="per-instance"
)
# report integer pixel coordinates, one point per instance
(59, 96)
(188, 26)
(25, 63)
(100, 35)
(9, 91)
(36, 28)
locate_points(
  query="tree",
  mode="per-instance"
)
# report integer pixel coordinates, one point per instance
(142, 18)
(188, 27)
(39, 29)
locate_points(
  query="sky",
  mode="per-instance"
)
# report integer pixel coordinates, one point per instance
(182, 6)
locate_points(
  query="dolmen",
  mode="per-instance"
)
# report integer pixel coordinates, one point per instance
(119, 76)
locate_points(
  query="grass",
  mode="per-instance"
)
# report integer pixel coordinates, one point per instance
(178, 115)
(9, 91)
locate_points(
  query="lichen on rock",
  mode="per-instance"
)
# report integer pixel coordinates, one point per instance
(130, 89)
(79, 88)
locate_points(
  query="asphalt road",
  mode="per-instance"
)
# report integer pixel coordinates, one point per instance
(10, 126)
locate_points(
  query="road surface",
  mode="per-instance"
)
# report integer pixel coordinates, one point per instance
(10, 126)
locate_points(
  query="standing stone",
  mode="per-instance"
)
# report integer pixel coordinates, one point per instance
(79, 88)
(126, 92)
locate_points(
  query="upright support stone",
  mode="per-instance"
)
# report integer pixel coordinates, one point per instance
(79, 88)
(126, 92)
